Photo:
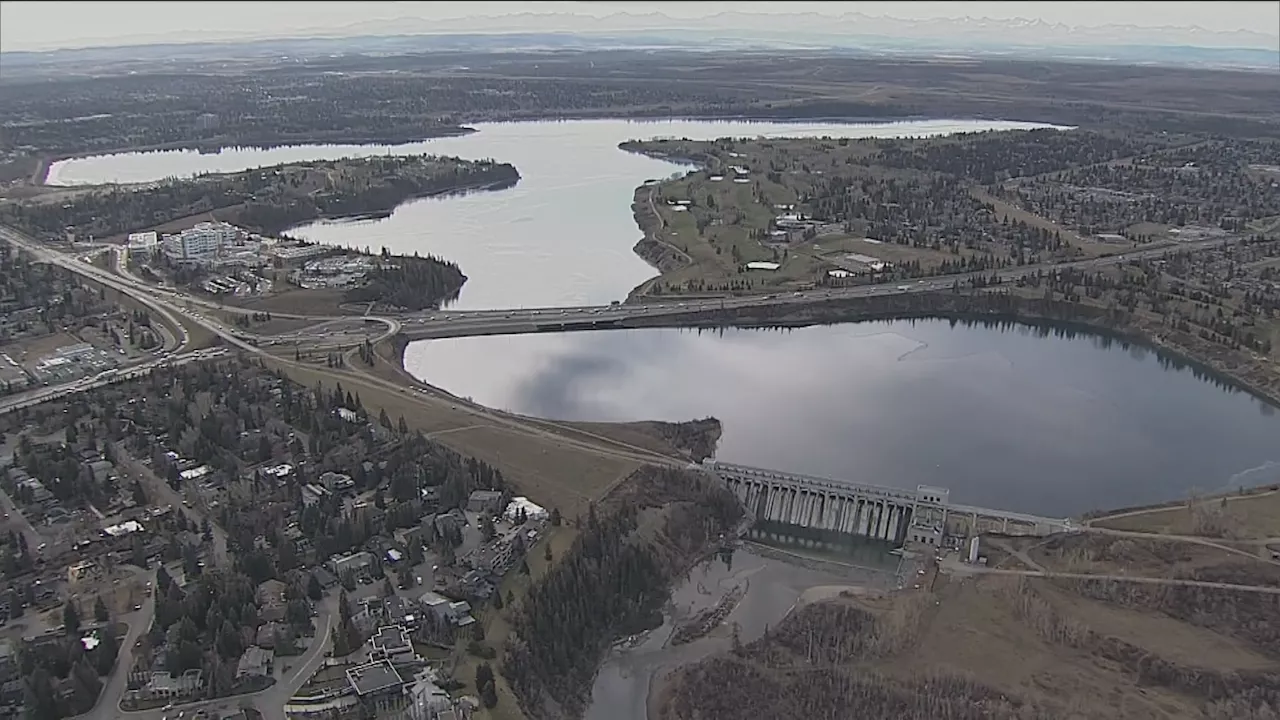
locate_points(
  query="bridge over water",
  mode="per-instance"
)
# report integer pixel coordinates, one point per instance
(844, 507)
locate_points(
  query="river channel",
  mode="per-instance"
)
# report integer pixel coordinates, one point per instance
(562, 236)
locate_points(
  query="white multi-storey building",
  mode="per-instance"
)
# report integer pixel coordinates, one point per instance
(201, 242)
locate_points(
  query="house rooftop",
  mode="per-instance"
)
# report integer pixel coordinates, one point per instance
(373, 677)
(390, 639)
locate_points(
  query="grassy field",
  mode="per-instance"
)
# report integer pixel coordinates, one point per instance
(1248, 517)
(1016, 647)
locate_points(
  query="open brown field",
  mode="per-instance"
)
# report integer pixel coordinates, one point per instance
(1000, 647)
(550, 470)
(1242, 517)
(28, 351)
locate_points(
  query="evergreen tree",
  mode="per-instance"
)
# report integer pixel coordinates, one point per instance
(71, 619)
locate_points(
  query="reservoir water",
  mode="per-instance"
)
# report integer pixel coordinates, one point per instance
(1003, 417)
(1006, 417)
(562, 236)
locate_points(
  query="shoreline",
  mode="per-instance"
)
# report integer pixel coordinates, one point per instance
(46, 161)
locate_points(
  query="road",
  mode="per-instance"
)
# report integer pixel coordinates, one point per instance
(459, 323)
(159, 493)
(271, 701)
(964, 569)
(30, 398)
(1196, 539)
(139, 621)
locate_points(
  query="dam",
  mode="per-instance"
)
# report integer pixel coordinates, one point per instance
(831, 507)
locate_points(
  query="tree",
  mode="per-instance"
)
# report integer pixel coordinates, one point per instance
(100, 610)
(486, 686)
(314, 590)
(486, 527)
(387, 588)
(38, 698)
(555, 517)
(71, 619)
(105, 654)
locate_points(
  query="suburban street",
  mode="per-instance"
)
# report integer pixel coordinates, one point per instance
(270, 702)
(139, 621)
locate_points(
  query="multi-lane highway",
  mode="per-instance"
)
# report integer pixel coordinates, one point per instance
(490, 322)
(459, 323)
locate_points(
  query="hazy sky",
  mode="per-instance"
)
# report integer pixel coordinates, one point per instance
(28, 25)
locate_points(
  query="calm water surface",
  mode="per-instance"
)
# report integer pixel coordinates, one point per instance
(1006, 418)
(562, 236)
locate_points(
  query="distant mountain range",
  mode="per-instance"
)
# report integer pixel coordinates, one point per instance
(808, 27)
(735, 30)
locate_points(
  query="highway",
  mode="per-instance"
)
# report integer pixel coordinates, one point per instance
(461, 323)
(447, 323)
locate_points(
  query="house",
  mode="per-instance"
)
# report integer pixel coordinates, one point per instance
(450, 523)
(163, 686)
(398, 611)
(271, 602)
(430, 497)
(375, 680)
(268, 633)
(392, 642)
(354, 563)
(336, 482)
(428, 700)
(453, 612)
(327, 580)
(312, 494)
(486, 502)
(254, 661)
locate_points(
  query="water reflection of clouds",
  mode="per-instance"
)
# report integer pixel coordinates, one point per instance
(1007, 418)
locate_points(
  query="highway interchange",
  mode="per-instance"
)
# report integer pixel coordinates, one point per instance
(183, 311)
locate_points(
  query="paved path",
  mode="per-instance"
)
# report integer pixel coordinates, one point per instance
(975, 570)
(1194, 539)
(1172, 507)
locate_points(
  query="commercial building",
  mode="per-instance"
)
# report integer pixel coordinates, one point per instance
(200, 243)
(144, 243)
